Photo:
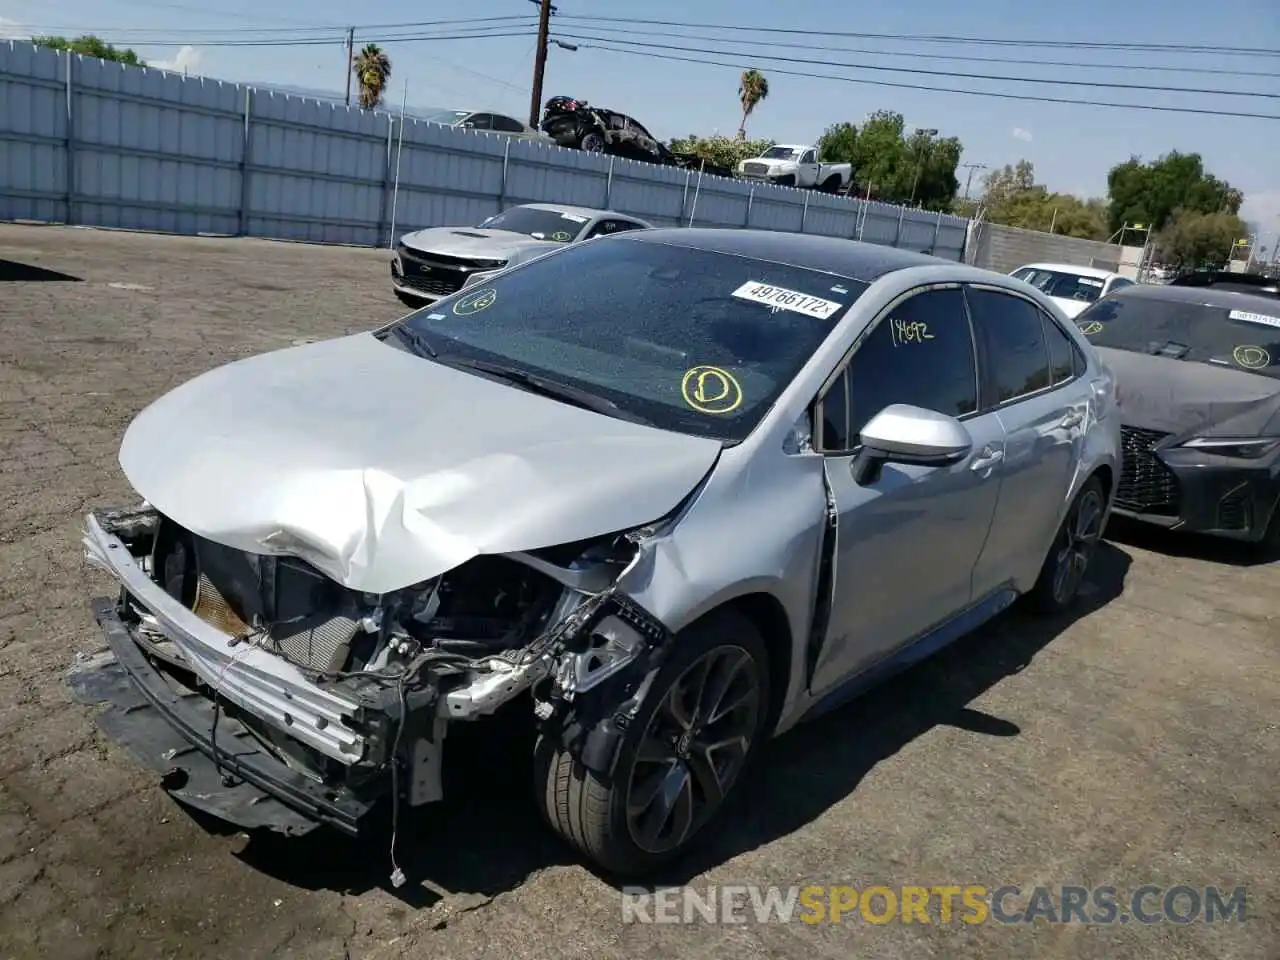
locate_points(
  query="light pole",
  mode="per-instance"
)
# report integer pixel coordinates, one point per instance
(922, 149)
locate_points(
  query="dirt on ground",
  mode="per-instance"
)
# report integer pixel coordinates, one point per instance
(1132, 743)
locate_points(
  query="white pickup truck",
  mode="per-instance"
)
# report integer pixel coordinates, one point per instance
(788, 165)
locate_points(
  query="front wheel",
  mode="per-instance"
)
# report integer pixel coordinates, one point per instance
(788, 181)
(591, 142)
(1068, 560)
(679, 760)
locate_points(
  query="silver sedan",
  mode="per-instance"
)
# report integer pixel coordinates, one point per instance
(667, 493)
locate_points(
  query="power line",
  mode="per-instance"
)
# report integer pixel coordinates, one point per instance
(1025, 97)
(271, 32)
(924, 71)
(945, 38)
(1014, 61)
(339, 36)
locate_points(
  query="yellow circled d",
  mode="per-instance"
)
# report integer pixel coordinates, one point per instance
(1251, 357)
(1092, 327)
(475, 302)
(711, 389)
(561, 236)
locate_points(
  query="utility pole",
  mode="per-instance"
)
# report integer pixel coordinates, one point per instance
(540, 60)
(351, 53)
(968, 181)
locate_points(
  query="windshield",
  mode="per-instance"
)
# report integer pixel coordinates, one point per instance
(780, 153)
(1068, 286)
(685, 339)
(539, 224)
(447, 117)
(1247, 337)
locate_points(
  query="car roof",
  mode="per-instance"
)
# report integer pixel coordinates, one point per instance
(591, 212)
(1208, 296)
(1071, 268)
(847, 258)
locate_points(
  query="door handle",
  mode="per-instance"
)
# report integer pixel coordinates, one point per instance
(1072, 420)
(987, 459)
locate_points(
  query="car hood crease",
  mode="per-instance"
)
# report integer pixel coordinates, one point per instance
(1182, 396)
(384, 469)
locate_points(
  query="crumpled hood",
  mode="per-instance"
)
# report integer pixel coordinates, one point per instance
(383, 468)
(474, 242)
(1181, 396)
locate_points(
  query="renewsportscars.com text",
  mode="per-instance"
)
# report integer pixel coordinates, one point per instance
(939, 904)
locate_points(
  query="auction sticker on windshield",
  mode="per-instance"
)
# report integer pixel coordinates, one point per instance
(1248, 317)
(573, 217)
(780, 298)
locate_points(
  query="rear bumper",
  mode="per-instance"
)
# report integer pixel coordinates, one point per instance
(173, 732)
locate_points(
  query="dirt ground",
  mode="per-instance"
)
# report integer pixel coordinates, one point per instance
(1135, 743)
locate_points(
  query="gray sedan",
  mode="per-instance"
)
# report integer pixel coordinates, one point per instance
(430, 264)
(665, 494)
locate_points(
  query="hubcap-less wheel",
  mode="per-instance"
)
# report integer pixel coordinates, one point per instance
(592, 143)
(1080, 536)
(693, 749)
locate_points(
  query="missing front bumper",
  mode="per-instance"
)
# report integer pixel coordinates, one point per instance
(174, 735)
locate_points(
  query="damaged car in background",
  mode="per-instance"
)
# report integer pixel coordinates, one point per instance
(663, 493)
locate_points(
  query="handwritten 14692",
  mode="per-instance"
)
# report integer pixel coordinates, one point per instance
(909, 331)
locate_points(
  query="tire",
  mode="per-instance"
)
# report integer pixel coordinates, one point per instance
(831, 184)
(590, 811)
(409, 300)
(788, 181)
(1268, 548)
(591, 142)
(1073, 547)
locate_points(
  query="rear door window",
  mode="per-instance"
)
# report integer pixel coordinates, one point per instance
(1012, 335)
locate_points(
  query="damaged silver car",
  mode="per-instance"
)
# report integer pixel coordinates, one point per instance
(672, 491)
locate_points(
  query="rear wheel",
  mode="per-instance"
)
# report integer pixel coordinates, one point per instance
(1068, 560)
(680, 758)
(831, 184)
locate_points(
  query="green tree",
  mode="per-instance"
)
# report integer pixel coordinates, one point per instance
(752, 88)
(1012, 197)
(722, 151)
(372, 69)
(1193, 239)
(891, 165)
(90, 46)
(838, 144)
(1151, 192)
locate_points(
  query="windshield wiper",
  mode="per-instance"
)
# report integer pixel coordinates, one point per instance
(550, 388)
(416, 339)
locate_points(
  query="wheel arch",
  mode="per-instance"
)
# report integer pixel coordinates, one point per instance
(768, 615)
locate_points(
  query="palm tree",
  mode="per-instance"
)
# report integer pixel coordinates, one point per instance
(752, 88)
(372, 69)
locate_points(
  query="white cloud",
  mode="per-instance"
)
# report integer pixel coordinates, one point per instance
(1019, 134)
(12, 30)
(187, 58)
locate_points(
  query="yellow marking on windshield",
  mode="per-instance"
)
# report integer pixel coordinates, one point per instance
(561, 237)
(1092, 327)
(711, 390)
(475, 302)
(1251, 357)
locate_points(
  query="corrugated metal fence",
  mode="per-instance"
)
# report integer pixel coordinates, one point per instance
(88, 142)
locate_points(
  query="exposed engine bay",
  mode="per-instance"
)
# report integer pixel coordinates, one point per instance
(354, 691)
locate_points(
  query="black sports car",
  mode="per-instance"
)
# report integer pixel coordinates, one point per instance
(1198, 374)
(577, 124)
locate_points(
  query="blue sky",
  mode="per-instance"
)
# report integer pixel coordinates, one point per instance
(1071, 146)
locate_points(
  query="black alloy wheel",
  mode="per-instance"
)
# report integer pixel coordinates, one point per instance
(1065, 568)
(693, 749)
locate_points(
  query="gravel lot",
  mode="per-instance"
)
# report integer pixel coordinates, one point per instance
(1134, 744)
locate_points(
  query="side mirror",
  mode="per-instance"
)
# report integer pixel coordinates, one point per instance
(901, 433)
